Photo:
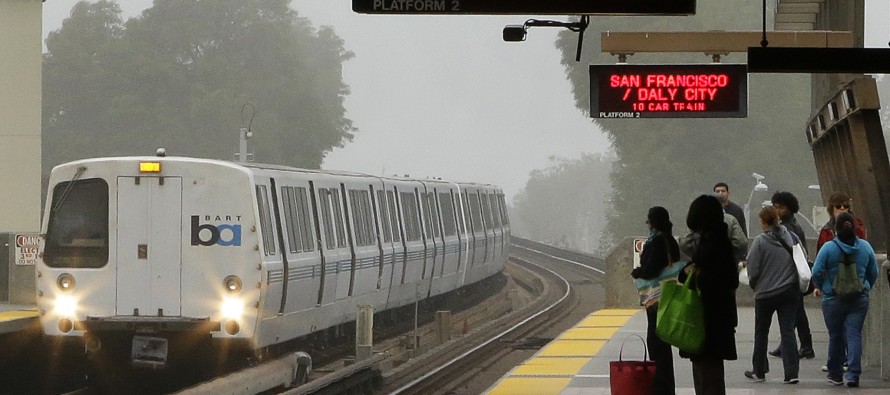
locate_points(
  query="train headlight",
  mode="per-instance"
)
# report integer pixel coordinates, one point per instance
(65, 306)
(232, 284)
(232, 308)
(66, 282)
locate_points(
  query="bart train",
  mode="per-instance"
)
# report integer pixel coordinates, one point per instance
(152, 249)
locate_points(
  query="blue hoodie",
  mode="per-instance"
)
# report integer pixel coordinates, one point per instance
(830, 255)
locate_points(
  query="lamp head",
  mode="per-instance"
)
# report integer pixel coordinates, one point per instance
(757, 177)
(761, 187)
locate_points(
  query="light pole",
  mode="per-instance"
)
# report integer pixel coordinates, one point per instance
(758, 187)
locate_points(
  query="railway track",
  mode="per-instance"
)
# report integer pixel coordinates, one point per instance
(573, 288)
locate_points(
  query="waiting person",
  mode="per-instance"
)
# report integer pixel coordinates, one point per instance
(844, 318)
(787, 206)
(716, 276)
(773, 277)
(731, 208)
(838, 203)
(689, 243)
(659, 253)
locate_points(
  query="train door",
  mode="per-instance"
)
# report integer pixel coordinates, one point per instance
(149, 245)
(297, 227)
(333, 232)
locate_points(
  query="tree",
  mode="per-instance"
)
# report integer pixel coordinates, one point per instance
(178, 75)
(564, 204)
(668, 162)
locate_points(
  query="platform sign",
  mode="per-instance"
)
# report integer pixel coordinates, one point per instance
(638, 249)
(668, 91)
(526, 7)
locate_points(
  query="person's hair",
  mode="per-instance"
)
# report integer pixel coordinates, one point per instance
(720, 184)
(836, 199)
(705, 214)
(660, 219)
(770, 216)
(845, 228)
(788, 200)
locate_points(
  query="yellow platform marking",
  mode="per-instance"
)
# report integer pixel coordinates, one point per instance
(17, 315)
(565, 356)
(577, 333)
(550, 367)
(627, 312)
(601, 320)
(572, 348)
(531, 386)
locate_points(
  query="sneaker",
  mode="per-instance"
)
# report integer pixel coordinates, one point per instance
(776, 353)
(792, 381)
(852, 384)
(755, 377)
(835, 381)
(825, 368)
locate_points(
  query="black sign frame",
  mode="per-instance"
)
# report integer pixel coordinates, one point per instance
(613, 102)
(526, 7)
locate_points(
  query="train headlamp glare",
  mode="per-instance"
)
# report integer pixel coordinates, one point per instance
(65, 306)
(66, 282)
(232, 308)
(232, 284)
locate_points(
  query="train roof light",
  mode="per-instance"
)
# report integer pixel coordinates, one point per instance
(150, 167)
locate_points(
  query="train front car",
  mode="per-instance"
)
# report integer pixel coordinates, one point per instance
(148, 258)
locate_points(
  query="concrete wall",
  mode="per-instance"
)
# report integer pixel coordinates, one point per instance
(20, 111)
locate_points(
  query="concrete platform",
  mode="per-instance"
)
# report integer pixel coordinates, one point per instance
(577, 362)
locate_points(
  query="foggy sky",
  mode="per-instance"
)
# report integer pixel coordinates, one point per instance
(444, 96)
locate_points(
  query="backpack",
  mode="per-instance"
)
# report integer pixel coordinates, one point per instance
(847, 285)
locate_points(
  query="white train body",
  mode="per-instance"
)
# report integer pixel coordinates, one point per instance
(157, 246)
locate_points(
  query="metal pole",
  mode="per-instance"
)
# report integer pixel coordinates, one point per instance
(242, 145)
(364, 332)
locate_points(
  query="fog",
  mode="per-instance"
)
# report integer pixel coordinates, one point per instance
(444, 96)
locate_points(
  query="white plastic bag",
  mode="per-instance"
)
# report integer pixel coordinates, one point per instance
(743, 276)
(804, 274)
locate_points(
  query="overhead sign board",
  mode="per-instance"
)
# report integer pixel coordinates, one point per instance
(527, 7)
(668, 91)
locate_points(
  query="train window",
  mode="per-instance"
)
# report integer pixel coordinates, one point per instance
(409, 215)
(384, 217)
(362, 221)
(262, 197)
(475, 213)
(486, 210)
(296, 213)
(447, 206)
(327, 223)
(427, 217)
(434, 213)
(393, 215)
(338, 218)
(495, 210)
(466, 223)
(77, 235)
(505, 218)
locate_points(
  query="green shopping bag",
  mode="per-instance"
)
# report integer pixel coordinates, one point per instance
(680, 321)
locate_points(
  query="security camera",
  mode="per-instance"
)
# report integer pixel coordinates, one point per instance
(514, 33)
(757, 177)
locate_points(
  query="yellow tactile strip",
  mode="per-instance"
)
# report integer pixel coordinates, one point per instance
(552, 368)
(18, 314)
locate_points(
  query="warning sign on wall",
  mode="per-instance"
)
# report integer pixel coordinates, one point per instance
(27, 246)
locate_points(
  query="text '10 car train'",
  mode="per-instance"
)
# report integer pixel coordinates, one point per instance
(157, 249)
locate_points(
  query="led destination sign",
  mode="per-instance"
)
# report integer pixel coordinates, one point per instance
(527, 7)
(669, 91)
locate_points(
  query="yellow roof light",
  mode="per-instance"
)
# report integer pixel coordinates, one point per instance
(150, 167)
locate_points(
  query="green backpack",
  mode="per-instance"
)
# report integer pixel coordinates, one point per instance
(847, 285)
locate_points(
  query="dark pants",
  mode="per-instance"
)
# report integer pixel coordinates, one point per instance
(803, 326)
(662, 354)
(708, 376)
(785, 304)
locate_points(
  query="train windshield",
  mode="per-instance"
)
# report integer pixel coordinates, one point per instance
(77, 235)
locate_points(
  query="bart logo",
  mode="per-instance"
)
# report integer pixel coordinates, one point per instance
(224, 234)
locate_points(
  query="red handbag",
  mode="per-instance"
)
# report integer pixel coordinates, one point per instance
(632, 377)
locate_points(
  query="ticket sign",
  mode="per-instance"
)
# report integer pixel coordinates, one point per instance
(668, 91)
(527, 7)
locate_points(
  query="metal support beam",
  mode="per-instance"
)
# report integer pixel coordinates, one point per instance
(720, 42)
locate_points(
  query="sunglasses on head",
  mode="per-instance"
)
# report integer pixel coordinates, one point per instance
(841, 206)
